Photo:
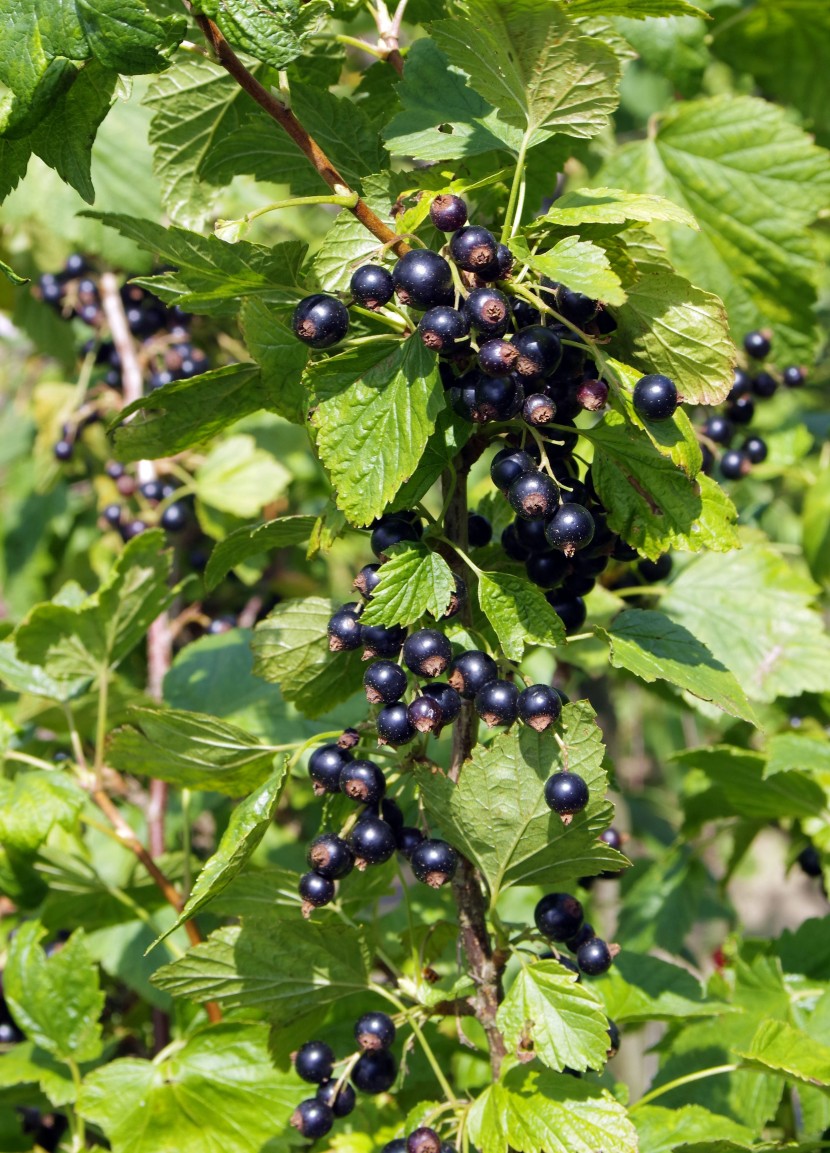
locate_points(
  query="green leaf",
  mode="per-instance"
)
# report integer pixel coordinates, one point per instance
(240, 478)
(317, 963)
(348, 243)
(27, 1064)
(246, 542)
(755, 182)
(190, 750)
(55, 1000)
(546, 1014)
(739, 787)
(675, 438)
(519, 613)
(22, 678)
(785, 1049)
(497, 815)
(451, 434)
(32, 803)
(815, 526)
(652, 504)
(374, 410)
(611, 206)
(640, 988)
(534, 65)
(673, 47)
(281, 357)
(636, 9)
(663, 1130)
(581, 265)
(651, 645)
(125, 37)
(291, 648)
(414, 581)
(221, 1082)
(751, 609)
(807, 754)
(536, 1111)
(273, 31)
(11, 275)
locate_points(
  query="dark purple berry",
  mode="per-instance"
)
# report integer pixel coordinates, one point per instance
(392, 530)
(448, 212)
(471, 671)
(566, 793)
(63, 450)
(434, 863)
(538, 409)
(488, 311)
(175, 517)
(313, 1118)
(112, 514)
(374, 1031)
(734, 464)
(571, 610)
(325, 766)
(341, 1102)
(741, 384)
(314, 1062)
(394, 726)
(408, 839)
(367, 580)
(315, 891)
(594, 957)
(372, 841)
(372, 286)
(479, 530)
(570, 529)
(423, 279)
(427, 653)
(741, 410)
(384, 682)
(764, 385)
(718, 429)
(794, 376)
(379, 641)
(476, 250)
(496, 357)
(755, 448)
(344, 629)
(423, 1140)
(655, 570)
(576, 307)
(497, 703)
(534, 496)
(531, 534)
(540, 706)
(133, 529)
(444, 329)
(396, 1146)
(426, 715)
(592, 395)
(558, 916)
(547, 569)
(508, 465)
(362, 781)
(613, 1039)
(497, 398)
(655, 397)
(809, 861)
(375, 1071)
(511, 544)
(757, 345)
(320, 321)
(448, 700)
(612, 838)
(506, 261)
(539, 351)
(330, 856)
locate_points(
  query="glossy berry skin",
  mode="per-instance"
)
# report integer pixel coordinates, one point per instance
(363, 781)
(372, 286)
(570, 528)
(325, 766)
(538, 409)
(330, 856)
(576, 307)
(379, 641)
(497, 398)
(63, 450)
(313, 1118)
(367, 580)
(133, 529)
(448, 212)
(408, 839)
(534, 496)
(426, 715)
(764, 385)
(341, 1103)
(175, 517)
(558, 916)
(571, 609)
(391, 531)
(112, 514)
(612, 838)
(734, 464)
(539, 352)
(794, 376)
(372, 841)
(423, 1140)
(592, 395)
(655, 570)
(471, 671)
(375, 1071)
(344, 629)
(497, 703)
(540, 706)
(448, 699)
(320, 320)
(508, 465)
(427, 653)
(757, 345)
(434, 863)
(586, 933)
(423, 279)
(718, 429)
(474, 249)
(655, 397)
(547, 569)
(394, 726)
(479, 530)
(316, 891)
(384, 682)
(488, 311)
(741, 383)
(374, 1031)
(594, 957)
(755, 448)
(443, 329)
(506, 261)
(566, 793)
(496, 357)
(741, 410)
(531, 534)
(314, 1062)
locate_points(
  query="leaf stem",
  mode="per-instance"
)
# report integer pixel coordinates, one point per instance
(511, 216)
(27, 759)
(345, 200)
(422, 1041)
(715, 1070)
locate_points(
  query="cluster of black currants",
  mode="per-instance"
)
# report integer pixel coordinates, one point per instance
(560, 919)
(420, 1140)
(372, 1070)
(144, 504)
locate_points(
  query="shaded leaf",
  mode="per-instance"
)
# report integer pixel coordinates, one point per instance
(246, 542)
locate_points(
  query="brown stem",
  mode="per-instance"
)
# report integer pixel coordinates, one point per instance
(286, 119)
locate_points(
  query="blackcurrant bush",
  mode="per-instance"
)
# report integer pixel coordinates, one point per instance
(423, 279)
(315, 891)
(539, 351)
(592, 395)
(594, 957)
(508, 465)
(534, 496)
(374, 1031)
(476, 250)
(479, 530)
(538, 409)
(367, 580)
(571, 610)
(362, 781)
(497, 703)
(471, 671)
(372, 841)
(655, 397)
(63, 450)
(558, 916)
(566, 793)
(384, 682)
(427, 653)
(423, 1140)
(540, 706)
(175, 517)
(444, 329)
(344, 629)
(313, 1118)
(434, 863)
(314, 1062)
(809, 861)
(496, 357)
(488, 311)
(718, 429)
(764, 385)
(330, 856)
(426, 715)
(547, 569)
(524, 314)
(390, 531)
(394, 726)
(757, 345)
(462, 397)
(372, 286)
(794, 376)
(741, 410)
(734, 464)
(576, 307)
(375, 1071)
(325, 766)
(379, 641)
(341, 1101)
(570, 528)
(448, 212)
(320, 320)
(497, 398)
(408, 839)
(449, 701)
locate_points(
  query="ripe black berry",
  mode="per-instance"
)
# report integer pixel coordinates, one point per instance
(112, 514)
(585, 933)
(809, 861)
(408, 839)
(391, 813)
(384, 682)
(576, 307)
(152, 490)
(540, 706)
(330, 856)
(363, 781)
(423, 1140)
(471, 671)
(390, 531)
(612, 838)
(741, 410)
(592, 395)
(344, 629)
(394, 726)
(448, 212)
(434, 863)
(372, 841)
(374, 1031)
(718, 429)
(570, 528)
(794, 376)
(314, 1062)
(315, 891)
(320, 320)
(558, 916)
(755, 448)
(655, 397)
(764, 385)
(534, 496)
(496, 357)
(757, 345)
(423, 279)
(447, 698)
(594, 957)
(427, 653)
(479, 530)
(476, 250)
(340, 1102)
(325, 766)
(372, 286)
(496, 398)
(539, 352)
(175, 517)
(566, 793)
(613, 1039)
(396, 1146)
(488, 311)
(444, 329)
(63, 450)
(547, 569)
(375, 1071)
(426, 714)
(506, 261)
(741, 383)
(313, 1118)
(497, 703)
(511, 544)
(508, 465)
(462, 397)
(571, 610)
(367, 580)
(655, 570)
(538, 409)
(379, 641)
(734, 464)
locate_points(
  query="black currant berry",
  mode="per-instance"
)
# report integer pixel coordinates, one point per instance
(497, 703)
(384, 682)
(547, 569)
(511, 544)
(396, 1146)
(444, 329)
(496, 398)
(426, 714)
(613, 1039)
(570, 528)
(391, 813)
(462, 398)
(175, 517)
(372, 286)
(506, 261)
(427, 653)
(764, 385)
(540, 706)
(367, 580)
(471, 671)
(379, 641)
(434, 863)
(809, 861)
(592, 395)
(372, 841)
(63, 450)
(448, 212)
(534, 496)
(479, 530)
(655, 570)
(496, 357)
(313, 1118)
(325, 766)
(594, 957)
(423, 1140)
(734, 464)
(476, 250)
(755, 448)
(508, 465)
(757, 345)
(566, 793)
(741, 410)
(612, 838)
(447, 698)
(394, 726)
(315, 891)
(558, 916)
(539, 351)
(408, 839)
(576, 307)
(571, 609)
(344, 629)
(393, 530)
(423, 279)
(794, 376)
(655, 397)
(538, 409)
(718, 429)
(330, 856)
(741, 383)
(374, 1031)
(363, 781)
(314, 1062)
(375, 1071)
(341, 1102)
(585, 933)
(488, 311)
(112, 514)
(320, 320)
